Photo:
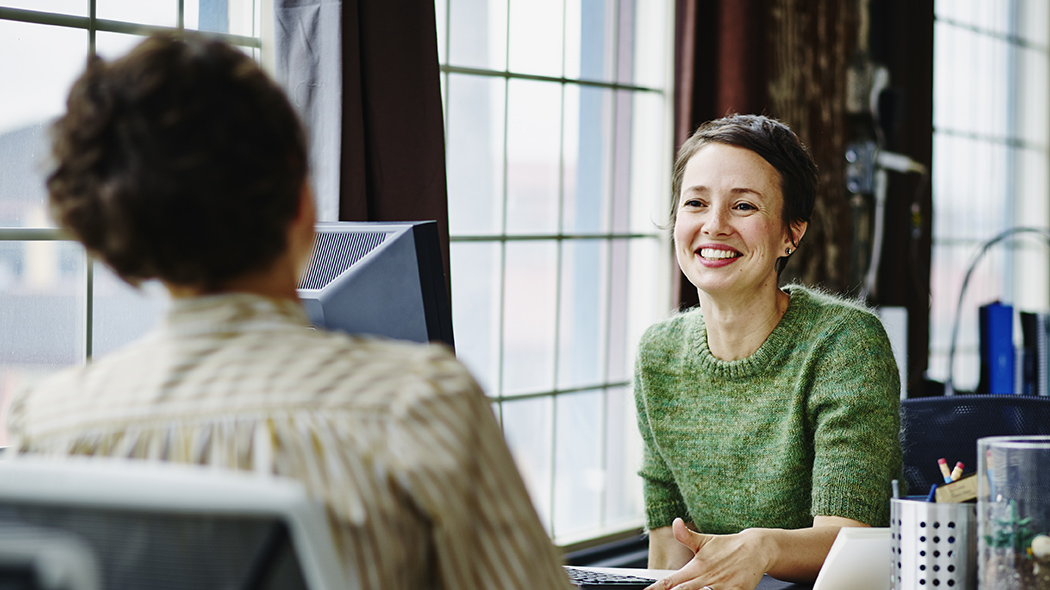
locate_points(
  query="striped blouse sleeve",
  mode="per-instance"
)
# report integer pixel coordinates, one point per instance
(458, 467)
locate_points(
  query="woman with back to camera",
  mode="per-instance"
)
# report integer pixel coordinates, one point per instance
(184, 162)
(769, 416)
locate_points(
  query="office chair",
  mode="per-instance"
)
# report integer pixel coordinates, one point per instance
(37, 558)
(165, 526)
(949, 426)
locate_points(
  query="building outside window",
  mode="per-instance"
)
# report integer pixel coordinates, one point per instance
(991, 154)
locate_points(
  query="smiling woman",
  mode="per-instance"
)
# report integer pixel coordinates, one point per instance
(769, 415)
(729, 230)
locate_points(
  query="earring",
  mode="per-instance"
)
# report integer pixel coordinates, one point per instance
(788, 251)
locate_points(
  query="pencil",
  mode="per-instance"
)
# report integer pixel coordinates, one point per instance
(943, 463)
(957, 472)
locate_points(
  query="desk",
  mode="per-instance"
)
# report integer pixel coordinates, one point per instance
(767, 582)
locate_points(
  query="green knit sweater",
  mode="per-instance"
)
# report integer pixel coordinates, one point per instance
(807, 425)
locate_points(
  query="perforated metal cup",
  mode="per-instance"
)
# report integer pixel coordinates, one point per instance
(934, 545)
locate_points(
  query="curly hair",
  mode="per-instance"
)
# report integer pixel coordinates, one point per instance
(181, 161)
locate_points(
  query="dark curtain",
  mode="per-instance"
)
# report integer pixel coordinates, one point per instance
(905, 275)
(789, 59)
(365, 75)
(721, 67)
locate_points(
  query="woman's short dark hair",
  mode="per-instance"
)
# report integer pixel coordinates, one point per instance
(769, 138)
(182, 161)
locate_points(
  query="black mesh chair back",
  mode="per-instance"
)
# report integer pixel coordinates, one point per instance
(949, 426)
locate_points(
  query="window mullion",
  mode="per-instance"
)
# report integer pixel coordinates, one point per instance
(89, 305)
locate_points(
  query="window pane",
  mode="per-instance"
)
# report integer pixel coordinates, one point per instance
(623, 451)
(649, 44)
(619, 312)
(23, 196)
(112, 46)
(550, 169)
(970, 201)
(475, 309)
(41, 313)
(650, 199)
(162, 13)
(1033, 209)
(478, 33)
(122, 313)
(536, 37)
(987, 16)
(441, 18)
(964, 100)
(622, 162)
(237, 17)
(625, 42)
(986, 285)
(579, 476)
(648, 294)
(1034, 20)
(528, 428)
(583, 316)
(474, 158)
(533, 155)
(588, 159)
(72, 7)
(529, 329)
(25, 114)
(1030, 120)
(590, 37)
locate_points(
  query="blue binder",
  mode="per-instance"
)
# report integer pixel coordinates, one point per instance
(998, 366)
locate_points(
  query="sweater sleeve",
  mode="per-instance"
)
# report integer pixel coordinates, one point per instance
(663, 500)
(854, 413)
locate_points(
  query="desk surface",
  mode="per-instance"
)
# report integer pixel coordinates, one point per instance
(767, 582)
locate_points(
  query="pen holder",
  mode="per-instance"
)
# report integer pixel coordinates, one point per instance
(934, 545)
(1013, 504)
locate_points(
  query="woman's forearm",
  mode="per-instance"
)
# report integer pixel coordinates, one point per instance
(797, 555)
(665, 552)
(738, 561)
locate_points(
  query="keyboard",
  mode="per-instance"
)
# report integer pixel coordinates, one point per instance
(587, 579)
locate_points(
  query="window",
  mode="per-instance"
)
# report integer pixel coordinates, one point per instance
(559, 155)
(558, 165)
(991, 151)
(57, 308)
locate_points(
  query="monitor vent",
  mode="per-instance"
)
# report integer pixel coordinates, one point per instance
(335, 252)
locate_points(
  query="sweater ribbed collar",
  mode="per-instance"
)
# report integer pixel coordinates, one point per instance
(779, 343)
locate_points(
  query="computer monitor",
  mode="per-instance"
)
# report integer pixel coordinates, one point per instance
(380, 278)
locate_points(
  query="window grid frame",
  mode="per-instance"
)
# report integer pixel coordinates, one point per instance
(1012, 142)
(91, 24)
(604, 385)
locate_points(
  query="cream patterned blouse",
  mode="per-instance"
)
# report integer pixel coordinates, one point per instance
(397, 438)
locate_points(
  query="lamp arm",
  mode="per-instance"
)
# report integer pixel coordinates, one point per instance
(1044, 233)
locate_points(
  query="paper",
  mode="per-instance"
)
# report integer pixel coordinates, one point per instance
(960, 490)
(859, 560)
